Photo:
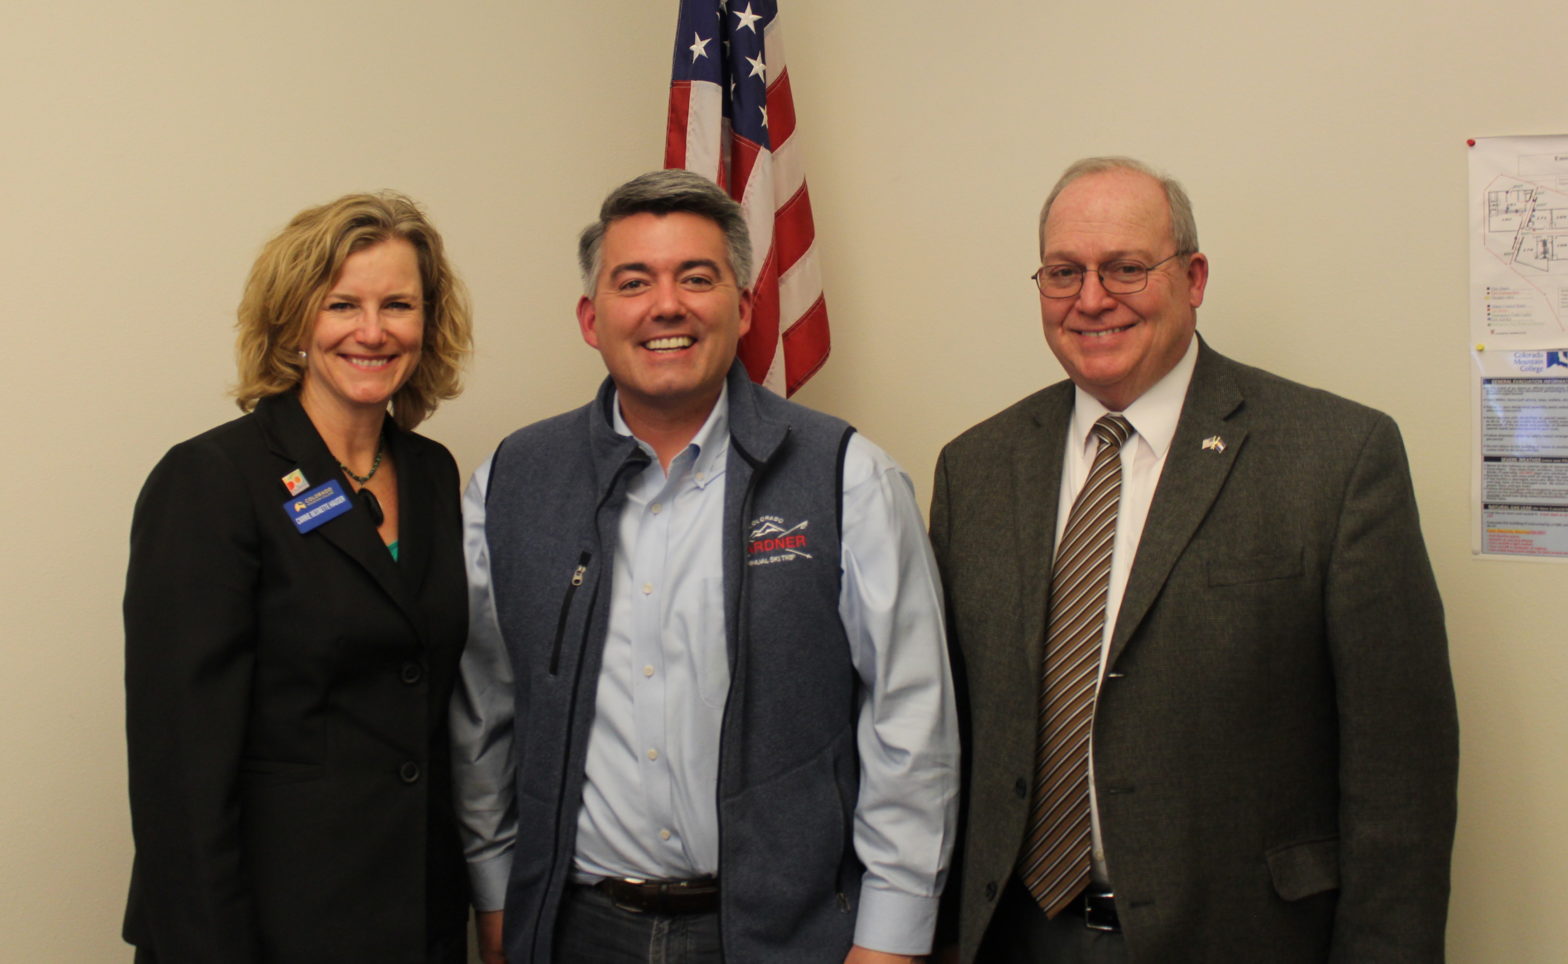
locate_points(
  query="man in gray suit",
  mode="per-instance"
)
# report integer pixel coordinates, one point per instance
(1264, 761)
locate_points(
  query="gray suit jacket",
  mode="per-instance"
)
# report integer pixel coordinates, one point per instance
(1275, 742)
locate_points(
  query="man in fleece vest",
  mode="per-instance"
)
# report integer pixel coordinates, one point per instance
(705, 712)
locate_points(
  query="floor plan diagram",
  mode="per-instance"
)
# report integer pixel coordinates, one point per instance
(1524, 232)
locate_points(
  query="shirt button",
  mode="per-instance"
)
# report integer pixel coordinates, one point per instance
(700, 476)
(647, 671)
(656, 508)
(647, 589)
(664, 835)
(653, 754)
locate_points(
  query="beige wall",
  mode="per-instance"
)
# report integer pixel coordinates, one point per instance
(147, 149)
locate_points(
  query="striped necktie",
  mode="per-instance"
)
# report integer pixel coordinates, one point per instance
(1056, 866)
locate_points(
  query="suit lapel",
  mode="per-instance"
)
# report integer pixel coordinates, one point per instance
(293, 438)
(1189, 483)
(1037, 483)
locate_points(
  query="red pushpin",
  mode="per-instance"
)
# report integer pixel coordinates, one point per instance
(1470, 141)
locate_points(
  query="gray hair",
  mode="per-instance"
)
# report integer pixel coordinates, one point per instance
(666, 192)
(1184, 229)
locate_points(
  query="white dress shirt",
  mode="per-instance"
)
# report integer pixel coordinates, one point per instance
(648, 808)
(1153, 417)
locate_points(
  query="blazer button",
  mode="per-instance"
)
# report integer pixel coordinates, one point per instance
(990, 891)
(1021, 788)
(412, 672)
(409, 772)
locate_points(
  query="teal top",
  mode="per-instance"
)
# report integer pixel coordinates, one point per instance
(392, 548)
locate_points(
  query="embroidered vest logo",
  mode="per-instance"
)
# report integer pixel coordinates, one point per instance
(772, 541)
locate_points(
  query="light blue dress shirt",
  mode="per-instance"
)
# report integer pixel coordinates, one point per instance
(649, 806)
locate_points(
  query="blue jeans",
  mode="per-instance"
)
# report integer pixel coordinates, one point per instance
(592, 930)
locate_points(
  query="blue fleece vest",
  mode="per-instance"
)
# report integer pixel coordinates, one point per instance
(789, 766)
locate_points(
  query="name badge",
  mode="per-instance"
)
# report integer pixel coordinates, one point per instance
(322, 504)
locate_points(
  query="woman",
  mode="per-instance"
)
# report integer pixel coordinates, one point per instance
(294, 613)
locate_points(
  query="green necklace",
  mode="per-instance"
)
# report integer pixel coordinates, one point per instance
(374, 466)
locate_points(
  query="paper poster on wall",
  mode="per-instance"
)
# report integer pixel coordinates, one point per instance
(1519, 333)
(1524, 459)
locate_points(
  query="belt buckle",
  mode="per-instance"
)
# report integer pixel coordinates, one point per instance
(1099, 911)
(623, 891)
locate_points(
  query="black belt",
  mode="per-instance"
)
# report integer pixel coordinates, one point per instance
(700, 896)
(1097, 907)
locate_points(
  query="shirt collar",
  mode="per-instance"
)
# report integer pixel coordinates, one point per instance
(1153, 415)
(705, 451)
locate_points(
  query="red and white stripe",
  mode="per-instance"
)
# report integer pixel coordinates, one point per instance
(789, 338)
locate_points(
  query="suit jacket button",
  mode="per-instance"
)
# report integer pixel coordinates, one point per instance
(1021, 788)
(409, 772)
(990, 891)
(412, 672)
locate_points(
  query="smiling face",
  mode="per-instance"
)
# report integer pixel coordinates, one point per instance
(1115, 347)
(365, 341)
(666, 315)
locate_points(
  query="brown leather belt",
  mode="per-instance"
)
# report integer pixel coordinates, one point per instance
(698, 896)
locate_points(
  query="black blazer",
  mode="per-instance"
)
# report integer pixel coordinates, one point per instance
(1275, 742)
(286, 706)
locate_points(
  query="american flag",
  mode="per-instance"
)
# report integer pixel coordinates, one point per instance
(732, 118)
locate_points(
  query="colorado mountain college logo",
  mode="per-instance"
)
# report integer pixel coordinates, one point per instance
(772, 541)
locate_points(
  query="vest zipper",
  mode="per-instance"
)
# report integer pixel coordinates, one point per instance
(543, 936)
(566, 607)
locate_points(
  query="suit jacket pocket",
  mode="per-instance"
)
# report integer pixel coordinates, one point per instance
(1233, 570)
(1303, 869)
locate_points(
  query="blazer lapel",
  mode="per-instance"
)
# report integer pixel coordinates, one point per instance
(1189, 483)
(293, 438)
(1037, 483)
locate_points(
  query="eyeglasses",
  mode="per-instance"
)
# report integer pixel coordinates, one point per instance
(1116, 277)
